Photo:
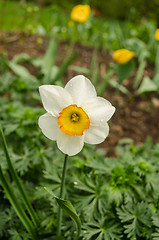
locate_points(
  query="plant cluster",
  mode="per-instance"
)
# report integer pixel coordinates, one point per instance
(82, 25)
(115, 198)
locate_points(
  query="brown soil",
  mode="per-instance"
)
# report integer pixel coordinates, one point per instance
(136, 117)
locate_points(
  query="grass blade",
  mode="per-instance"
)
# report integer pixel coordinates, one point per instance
(16, 205)
(16, 179)
(50, 59)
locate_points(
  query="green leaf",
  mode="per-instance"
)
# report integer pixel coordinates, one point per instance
(155, 236)
(17, 181)
(69, 209)
(101, 88)
(94, 68)
(64, 66)
(140, 73)
(118, 86)
(10, 127)
(147, 85)
(136, 216)
(156, 79)
(155, 220)
(50, 56)
(157, 61)
(37, 62)
(80, 70)
(17, 205)
(124, 70)
(20, 70)
(104, 229)
(21, 57)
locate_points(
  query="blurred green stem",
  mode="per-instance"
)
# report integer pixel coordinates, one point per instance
(140, 72)
(157, 60)
(61, 196)
(16, 179)
(102, 87)
(64, 66)
(94, 69)
(70, 49)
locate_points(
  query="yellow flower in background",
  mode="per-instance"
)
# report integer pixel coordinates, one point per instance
(157, 34)
(80, 13)
(123, 56)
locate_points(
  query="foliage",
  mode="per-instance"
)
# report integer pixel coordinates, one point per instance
(98, 32)
(116, 198)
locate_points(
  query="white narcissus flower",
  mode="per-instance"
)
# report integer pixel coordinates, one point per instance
(74, 115)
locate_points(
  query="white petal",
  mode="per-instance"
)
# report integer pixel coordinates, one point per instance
(70, 145)
(80, 89)
(98, 110)
(54, 98)
(96, 134)
(49, 126)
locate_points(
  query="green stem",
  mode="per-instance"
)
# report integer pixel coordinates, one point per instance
(61, 196)
(157, 60)
(139, 74)
(94, 69)
(18, 182)
(101, 88)
(65, 66)
(16, 205)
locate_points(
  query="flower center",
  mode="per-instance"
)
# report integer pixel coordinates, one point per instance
(73, 120)
(75, 117)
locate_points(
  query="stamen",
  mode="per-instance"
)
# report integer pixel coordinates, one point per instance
(74, 117)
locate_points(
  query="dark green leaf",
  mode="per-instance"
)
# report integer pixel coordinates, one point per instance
(124, 70)
(69, 209)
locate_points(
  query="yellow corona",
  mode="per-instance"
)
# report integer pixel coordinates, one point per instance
(73, 120)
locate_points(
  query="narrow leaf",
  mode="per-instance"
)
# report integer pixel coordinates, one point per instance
(81, 70)
(64, 67)
(16, 205)
(101, 88)
(140, 73)
(69, 209)
(50, 56)
(17, 181)
(94, 69)
(157, 61)
(118, 86)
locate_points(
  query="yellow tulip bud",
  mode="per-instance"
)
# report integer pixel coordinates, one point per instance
(157, 34)
(122, 56)
(80, 13)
